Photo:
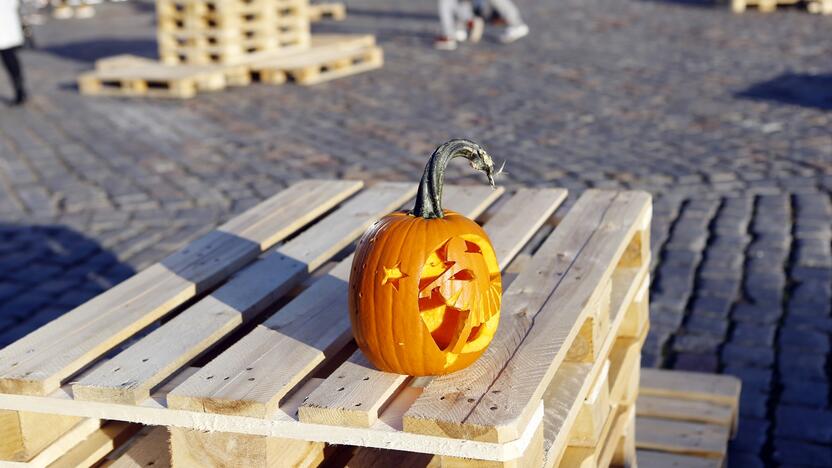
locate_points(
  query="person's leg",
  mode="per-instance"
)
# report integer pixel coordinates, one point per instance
(447, 21)
(508, 11)
(516, 26)
(447, 17)
(12, 65)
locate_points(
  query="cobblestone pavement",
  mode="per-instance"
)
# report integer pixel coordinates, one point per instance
(725, 118)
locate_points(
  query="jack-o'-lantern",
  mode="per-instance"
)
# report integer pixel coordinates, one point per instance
(425, 287)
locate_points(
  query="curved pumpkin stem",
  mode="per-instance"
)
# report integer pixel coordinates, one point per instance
(429, 198)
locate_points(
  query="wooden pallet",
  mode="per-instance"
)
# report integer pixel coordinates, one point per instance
(685, 419)
(560, 377)
(329, 56)
(765, 6)
(327, 11)
(664, 396)
(213, 31)
(820, 7)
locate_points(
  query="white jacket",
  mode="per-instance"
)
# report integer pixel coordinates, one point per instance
(11, 33)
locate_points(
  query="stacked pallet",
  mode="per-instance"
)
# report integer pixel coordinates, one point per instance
(823, 7)
(226, 31)
(208, 45)
(328, 57)
(250, 362)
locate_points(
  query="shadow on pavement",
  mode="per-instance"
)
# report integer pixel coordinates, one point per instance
(798, 89)
(692, 3)
(392, 14)
(92, 50)
(46, 271)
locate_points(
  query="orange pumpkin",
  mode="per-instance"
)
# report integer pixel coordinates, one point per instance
(425, 287)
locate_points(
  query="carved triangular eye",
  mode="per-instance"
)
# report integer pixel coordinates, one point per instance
(471, 247)
(463, 275)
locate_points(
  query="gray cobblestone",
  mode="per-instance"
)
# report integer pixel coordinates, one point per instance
(604, 93)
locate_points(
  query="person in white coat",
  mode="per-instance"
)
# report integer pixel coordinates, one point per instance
(11, 38)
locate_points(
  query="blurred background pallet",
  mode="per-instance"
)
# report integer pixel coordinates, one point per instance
(327, 11)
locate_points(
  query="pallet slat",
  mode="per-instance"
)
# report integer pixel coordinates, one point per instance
(284, 349)
(129, 376)
(37, 363)
(148, 449)
(355, 392)
(682, 437)
(601, 226)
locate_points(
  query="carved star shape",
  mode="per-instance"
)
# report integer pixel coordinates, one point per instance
(393, 276)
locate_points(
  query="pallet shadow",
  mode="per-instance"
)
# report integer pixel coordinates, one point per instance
(46, 271)
(799, 89)
(91, 50)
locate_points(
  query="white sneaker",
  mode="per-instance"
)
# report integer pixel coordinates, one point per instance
(444, 43)
(512, 33)
(461, 35)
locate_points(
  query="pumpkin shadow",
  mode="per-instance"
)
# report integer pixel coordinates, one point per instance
(46, 271)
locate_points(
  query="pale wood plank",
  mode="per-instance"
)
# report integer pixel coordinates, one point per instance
(594, 411)
(576, 261)
(571, 383)
(96, 446)
(151, 449)
(129, 376)
(682, 437)
(38, 363)
(355, 393)
(654, 459)
(219, 449)
(684, 410)
(254, 374)
(24, 434)
(59, 447)
(386, 434)
(723, 389)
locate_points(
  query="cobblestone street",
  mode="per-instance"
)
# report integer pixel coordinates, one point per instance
(726, 119)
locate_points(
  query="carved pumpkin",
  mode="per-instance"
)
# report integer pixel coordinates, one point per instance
(425, 287)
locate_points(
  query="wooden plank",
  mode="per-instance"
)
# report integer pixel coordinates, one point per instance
(720, 389)
(95, 447)
(219, 449)
(150, 449)
(25, 434)
(355, 393)
(724, 389)
(387, 433)
(654, 459)
(575, 261)
(129, 376)
(570, 386)
(253, 375)
(37, 363)
(60, 446)
(682, 437)
(684, 410)
(593, 413)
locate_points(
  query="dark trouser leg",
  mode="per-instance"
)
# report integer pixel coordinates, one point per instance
(12, 65)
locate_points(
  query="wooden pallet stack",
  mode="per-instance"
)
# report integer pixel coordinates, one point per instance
(239, 346)
(203, 32)
(209, 45)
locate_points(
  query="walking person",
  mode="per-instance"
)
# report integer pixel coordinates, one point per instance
(11, 38)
